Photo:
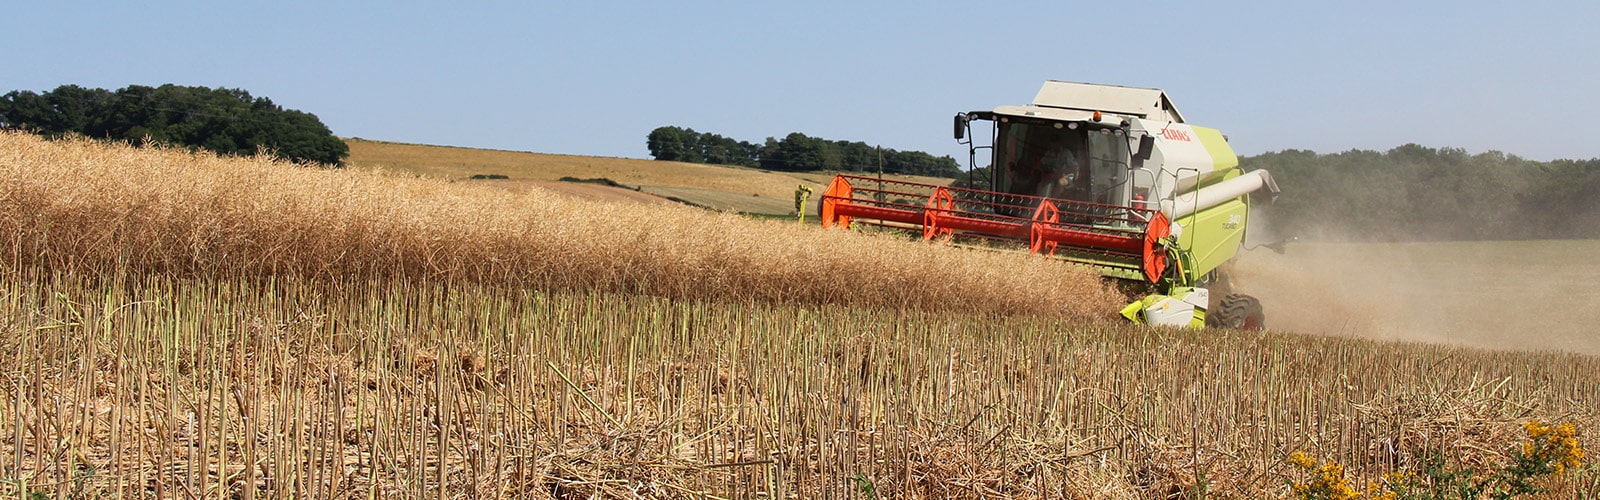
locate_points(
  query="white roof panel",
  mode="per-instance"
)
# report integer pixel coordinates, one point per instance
(1133, 101)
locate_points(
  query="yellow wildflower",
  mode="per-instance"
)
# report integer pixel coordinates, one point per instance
(1553, 444)
(1303, 460)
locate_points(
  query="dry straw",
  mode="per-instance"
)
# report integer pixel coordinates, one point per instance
(92, 207)
(176, 325)
(152, 386)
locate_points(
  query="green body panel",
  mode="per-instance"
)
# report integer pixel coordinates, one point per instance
(1216, 144)
(1212, 237)
(1209, 237)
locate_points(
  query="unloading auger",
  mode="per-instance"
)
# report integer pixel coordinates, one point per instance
(1100, 175)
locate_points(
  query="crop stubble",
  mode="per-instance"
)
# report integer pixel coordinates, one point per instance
(178, 324)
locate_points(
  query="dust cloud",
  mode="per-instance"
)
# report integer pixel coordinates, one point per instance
(1521, 295)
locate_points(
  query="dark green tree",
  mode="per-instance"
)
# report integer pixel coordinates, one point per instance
(226, 121)
(674, 144)
(719, 150)
(28, 110)
(800, 153)
(794, 152)
(770, 156)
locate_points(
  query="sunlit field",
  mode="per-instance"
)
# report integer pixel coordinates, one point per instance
(181, 325)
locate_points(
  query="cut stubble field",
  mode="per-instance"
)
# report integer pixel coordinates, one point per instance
(174, 324)
(726, 188)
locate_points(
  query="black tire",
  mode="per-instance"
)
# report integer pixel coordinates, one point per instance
(1237, 311)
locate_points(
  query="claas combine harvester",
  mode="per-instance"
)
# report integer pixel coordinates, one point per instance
(1100, 175)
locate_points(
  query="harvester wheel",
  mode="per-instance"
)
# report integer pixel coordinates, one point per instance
(1237, 311)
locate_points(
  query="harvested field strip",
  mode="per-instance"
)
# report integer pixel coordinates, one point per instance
(727, 187)
(89, 208)
(299, 388)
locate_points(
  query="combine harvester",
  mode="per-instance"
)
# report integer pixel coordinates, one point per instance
(1106, 176)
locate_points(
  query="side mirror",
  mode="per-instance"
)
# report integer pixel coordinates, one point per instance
(1147, 145)
(961, 126)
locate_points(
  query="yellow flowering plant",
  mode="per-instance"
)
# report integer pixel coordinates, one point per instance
(1551, 450)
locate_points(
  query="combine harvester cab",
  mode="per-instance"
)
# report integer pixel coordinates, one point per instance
(1105, 176)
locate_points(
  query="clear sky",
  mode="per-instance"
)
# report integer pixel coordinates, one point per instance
(593, 78)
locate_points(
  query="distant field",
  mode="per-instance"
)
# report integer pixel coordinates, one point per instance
(726, 188)
(1524, 295)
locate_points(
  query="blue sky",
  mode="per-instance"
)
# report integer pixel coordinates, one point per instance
(593, 78)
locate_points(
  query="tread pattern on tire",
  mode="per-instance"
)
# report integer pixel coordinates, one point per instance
(1237, 311)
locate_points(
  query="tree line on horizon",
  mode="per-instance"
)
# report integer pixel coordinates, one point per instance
(795, 152)
(1417, 193)
(222, 120)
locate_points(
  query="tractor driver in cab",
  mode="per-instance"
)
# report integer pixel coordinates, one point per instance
(1051, 171)
(1064, 175)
